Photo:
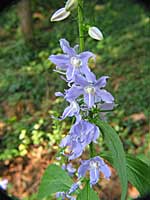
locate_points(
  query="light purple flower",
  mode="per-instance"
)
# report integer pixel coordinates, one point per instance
(92, 90)
(71, 62)
(69, 168)
(64, 195)
(81, 134)
(74, 187)
(61, 195)
(94, 166)
(72, 110)
(59, 94)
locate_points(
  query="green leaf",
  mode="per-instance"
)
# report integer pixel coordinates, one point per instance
(54, 180)
(115, 146)
(87, 193)
(138, 172)
(144, 158)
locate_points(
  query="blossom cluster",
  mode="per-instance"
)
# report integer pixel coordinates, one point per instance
(85, 92)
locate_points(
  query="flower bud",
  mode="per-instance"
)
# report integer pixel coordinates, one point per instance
(70, 5)
(60, 15)
(95, 33)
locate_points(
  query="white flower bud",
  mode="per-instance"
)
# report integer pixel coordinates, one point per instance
(70, 4)
(95, 33)
(60, 15)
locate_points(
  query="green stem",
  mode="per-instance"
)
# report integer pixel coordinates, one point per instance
(80, 24)
(81, 39)
(91, 150)
(91, 145)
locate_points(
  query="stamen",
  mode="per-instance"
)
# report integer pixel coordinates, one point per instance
(89, 90)
(93, 164)
(74, 105)
(60, 72)
(76, 62)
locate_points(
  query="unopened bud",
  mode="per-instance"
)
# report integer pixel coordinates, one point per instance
(70, 5)
(60, 15)
(95, 33)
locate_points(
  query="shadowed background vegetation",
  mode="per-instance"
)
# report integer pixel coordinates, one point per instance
(28, 134)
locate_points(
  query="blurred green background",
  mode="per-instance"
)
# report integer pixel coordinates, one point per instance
(28, 83)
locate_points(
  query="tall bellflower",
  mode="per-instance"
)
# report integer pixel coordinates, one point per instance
(71, 62)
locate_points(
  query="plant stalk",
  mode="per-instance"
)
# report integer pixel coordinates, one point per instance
(81, 24)
(82, 46)
(91, 150)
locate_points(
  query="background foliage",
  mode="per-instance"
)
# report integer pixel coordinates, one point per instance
(28, 83)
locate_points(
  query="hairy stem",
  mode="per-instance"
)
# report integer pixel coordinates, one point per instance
(80, 24)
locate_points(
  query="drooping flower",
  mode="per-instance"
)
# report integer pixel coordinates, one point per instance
(95, 33)
(71, 170)
(71, 62)
(91, 90)
(72, 110)
(94, 166)
(81, 134)
(60, 15)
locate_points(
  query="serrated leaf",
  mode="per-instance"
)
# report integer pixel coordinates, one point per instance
(55, 179)
(87, 193)
(115, 146)
(138, 172)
